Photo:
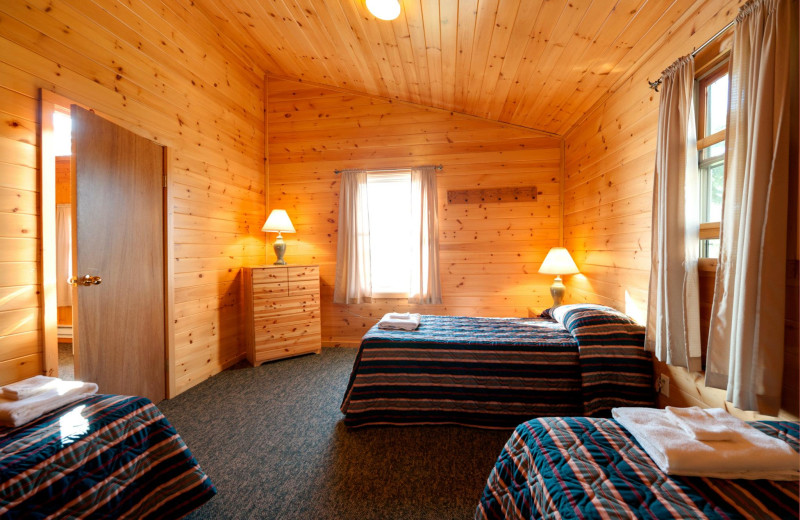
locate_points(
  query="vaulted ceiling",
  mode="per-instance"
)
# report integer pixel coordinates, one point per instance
(535, 63)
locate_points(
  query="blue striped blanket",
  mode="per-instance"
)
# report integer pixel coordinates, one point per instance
(493, 372)
(105, 456)
(591, 468)
(615, 369)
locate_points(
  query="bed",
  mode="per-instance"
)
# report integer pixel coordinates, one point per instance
(499, 372)
(104, 456)
(583, 467)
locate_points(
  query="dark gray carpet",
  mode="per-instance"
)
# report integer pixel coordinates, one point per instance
(273, 442)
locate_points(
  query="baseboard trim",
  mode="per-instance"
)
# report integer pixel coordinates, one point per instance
(65, 332)
(348, 344)
(232, 361)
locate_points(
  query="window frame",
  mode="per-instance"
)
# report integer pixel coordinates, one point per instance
(714, 70)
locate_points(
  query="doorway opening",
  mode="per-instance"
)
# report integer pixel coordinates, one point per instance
(62, 140)
(60, 356)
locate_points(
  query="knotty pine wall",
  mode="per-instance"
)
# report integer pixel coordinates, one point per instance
(159, 69)
(489, 252)
(608, 194)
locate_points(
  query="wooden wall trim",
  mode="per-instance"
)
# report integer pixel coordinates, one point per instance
(169, 276)
(47, 267)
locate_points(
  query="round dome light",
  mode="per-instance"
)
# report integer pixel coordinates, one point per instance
(384, 9)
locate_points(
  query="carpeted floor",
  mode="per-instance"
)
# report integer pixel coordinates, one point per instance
(66, 362)
(273, 442)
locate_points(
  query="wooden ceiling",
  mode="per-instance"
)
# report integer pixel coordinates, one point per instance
(535, 63)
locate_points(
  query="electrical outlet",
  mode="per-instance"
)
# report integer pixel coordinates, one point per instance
(663, 385)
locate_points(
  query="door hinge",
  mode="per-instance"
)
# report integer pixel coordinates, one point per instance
(164, 179)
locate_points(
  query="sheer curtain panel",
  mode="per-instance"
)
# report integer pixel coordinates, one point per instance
(746, 338)
(353, 280)
(673, 311)
(425, 284)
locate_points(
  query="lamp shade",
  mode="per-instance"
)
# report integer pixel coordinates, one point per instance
(278, 222)
(558, 262)
(384, 9)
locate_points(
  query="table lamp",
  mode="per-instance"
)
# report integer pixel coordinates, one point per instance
(558, 262)
(278, 222)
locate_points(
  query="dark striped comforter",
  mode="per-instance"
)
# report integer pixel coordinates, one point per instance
(493, 372)
(488, 372)
(615, 369)
(105, 456)
(578, 467)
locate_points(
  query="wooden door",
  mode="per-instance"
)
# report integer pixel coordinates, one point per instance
(118, 233)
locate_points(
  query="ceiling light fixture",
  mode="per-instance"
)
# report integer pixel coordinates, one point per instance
(384, 9)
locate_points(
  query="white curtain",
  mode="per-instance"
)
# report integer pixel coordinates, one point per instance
(353, 280)
(746, 339)
(63, 254)
(425, 283)
(673, 312)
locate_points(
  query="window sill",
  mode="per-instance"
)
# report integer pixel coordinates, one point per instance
(707, 264)
(709, 230)
(390, 296)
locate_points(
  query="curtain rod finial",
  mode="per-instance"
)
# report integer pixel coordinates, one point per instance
(655, 84)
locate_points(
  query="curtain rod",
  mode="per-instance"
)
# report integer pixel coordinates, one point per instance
(436, 167)
(655, 84)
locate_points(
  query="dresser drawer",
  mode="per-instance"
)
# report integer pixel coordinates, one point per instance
(295, 347)
(269, 333)
(283, 306)
(269, 290)
(283, 319)
(304, 273)
(301, 287)
(270, 276)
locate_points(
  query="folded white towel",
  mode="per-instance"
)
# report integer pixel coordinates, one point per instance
(399, 315)
(18, 412)
(29, 387)
(389, 323)
(749, 454)
(700, 424)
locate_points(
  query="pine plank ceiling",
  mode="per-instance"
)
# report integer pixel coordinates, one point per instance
(535, 63)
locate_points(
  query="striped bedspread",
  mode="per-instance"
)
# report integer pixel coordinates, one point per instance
(487, 372)
(615, 369)
(579, 467)
(499, 372)
(105, 456)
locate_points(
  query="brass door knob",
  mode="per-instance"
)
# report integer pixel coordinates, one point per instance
(85, 280)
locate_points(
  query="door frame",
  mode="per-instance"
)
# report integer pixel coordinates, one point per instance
(47, 178)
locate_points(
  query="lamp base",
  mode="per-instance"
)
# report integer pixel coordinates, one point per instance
(280, 248)
(557, 291)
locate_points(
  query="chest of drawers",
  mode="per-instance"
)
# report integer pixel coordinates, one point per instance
(281, 311)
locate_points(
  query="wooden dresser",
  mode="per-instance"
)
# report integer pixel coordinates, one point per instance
(281, 311)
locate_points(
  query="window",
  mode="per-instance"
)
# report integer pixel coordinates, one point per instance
(712, 120)
(388, 243)
(389, 196)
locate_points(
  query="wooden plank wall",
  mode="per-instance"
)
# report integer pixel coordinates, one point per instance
(489, 252)
(608, 198)
(157, 68)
